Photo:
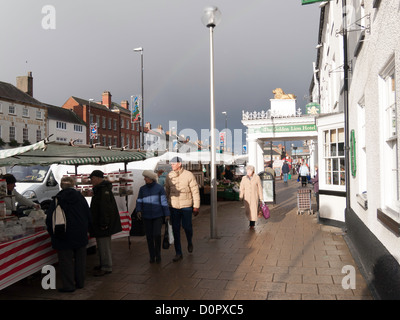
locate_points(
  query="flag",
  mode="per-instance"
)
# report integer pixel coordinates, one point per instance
(135, 116)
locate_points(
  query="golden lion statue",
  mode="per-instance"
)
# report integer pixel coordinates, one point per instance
(280, 94)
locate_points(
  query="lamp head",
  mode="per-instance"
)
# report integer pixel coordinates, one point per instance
(211, 17)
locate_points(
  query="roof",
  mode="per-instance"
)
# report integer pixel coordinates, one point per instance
(10, 92)
(67, 115)
(55, 153)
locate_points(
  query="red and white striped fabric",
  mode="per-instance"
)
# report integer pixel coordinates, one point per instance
(23, 257)
(126, 223)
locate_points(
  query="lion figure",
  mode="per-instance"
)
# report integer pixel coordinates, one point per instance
(280, 94)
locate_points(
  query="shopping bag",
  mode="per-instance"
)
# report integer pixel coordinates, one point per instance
(289, 176)
(165, 243)
(265, 210)
(170, 233)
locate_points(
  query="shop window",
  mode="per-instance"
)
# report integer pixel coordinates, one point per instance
(334, 157)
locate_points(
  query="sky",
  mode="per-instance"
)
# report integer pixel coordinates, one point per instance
(82, 48)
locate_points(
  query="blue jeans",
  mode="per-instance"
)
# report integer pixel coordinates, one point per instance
(285, 177)
(181, 217)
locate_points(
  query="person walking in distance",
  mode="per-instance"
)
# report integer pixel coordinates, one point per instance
(106, 220)
(184, 200)
(251, 193)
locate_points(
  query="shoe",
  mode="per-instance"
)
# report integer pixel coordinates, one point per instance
(65, 290)
(190, 248)
(177, 258)
(101, 273)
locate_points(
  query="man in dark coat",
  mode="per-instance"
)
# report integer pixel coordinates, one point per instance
(71, 246)
(106, 220)
(285, 171)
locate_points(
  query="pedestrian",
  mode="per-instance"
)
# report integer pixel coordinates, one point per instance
(184, 200)
(14, 196)
(303, 174)
(71, 247)
(106, 220)
(152, 207)
(251, 193)
(285, 171)
(161, 177)
(316, 186)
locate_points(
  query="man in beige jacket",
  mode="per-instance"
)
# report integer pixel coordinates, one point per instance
(184, 200)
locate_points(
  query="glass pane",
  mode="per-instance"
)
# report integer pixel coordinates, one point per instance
(327, 150)
(328, 166)
(333, 135)
(333, 150)
(326, 137)
(328, 178)
(341, 135)
(335, 164)
(341, 149)
(342, 165)
(342, 179)
(335, 178)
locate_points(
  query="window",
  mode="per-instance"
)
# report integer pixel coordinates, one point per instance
(12, 133)
(115, 125)
(25, 134)
(38, 135)
(109, 124)
(104, 122)
(1, 107)
(11, 109)
(25, 112)
(334, 156)
(39, 114)
(78, 128)
(389, 155)
(61, 125)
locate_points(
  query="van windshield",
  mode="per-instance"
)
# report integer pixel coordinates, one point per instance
(29, 174)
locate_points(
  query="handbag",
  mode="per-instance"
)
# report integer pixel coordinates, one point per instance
(265, 210)
(165, 243)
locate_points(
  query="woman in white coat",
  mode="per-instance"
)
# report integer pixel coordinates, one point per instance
(251, 193)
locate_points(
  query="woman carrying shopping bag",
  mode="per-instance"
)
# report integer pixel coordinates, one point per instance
(152, 207)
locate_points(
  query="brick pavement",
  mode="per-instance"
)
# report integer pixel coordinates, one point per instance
(288, 257)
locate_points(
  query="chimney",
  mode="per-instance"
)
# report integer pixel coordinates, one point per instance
(125, 104)
(106, 99)
(25, 83)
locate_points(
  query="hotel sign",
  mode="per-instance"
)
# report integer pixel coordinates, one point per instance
(283, 129)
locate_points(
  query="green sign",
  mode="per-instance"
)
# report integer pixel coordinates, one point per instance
(313, 108)
(282, 129)
(353, 158)
(303, 2)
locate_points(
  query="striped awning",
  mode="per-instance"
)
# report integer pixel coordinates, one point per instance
(15, 151)
(74, 155)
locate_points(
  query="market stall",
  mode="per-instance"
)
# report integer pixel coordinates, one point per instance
(25, 246)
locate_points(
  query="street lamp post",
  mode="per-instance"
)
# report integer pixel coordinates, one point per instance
(210, 19)
(140, 49)
(226, 119)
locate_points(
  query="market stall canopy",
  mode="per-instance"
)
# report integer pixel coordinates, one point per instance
(204, 157)
(54, 153)
(16, 151)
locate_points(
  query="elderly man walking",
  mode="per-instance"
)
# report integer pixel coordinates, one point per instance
(106, 220)
(184, 200)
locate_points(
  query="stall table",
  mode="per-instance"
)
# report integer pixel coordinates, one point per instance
(25, 256)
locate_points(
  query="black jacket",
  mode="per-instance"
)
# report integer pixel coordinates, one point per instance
(78, 218)
(105, 213)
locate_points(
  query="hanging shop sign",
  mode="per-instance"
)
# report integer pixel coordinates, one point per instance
(280, 129)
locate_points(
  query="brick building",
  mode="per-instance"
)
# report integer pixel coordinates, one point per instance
(113, 121)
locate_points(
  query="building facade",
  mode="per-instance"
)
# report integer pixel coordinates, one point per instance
(22, 118)
(65, 126)
(360, 124)
(111, 121)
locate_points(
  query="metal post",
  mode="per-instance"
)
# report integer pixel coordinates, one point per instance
(213, 198)
(141, 62)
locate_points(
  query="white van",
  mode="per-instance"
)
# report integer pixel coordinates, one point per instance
(36, 183)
